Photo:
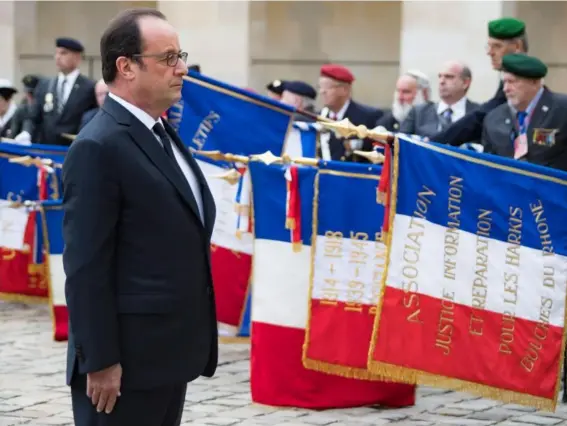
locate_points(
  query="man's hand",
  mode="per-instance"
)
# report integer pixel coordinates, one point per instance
(103, 387)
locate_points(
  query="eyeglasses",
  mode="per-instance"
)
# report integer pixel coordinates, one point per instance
(170, 58)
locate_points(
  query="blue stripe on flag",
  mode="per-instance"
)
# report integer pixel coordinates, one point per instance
(487, 182)
(245, 324)
(269, 198)
(217, 116)
(17, 180)
(54, 219)
(347, 196)
(308, 132)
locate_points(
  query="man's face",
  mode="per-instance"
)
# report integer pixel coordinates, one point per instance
(451, 82)
(66, 60)
(519, 91)
(406, 90)
(159, 77)
(292, 99)
(4, 104)
(101, 90)
(496, 49)
(333, 93)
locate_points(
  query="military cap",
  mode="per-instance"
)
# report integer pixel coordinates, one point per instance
(524, 66)
(30, 82)
(276, 87)
(7, 89)
(69, 44)
(506, 28)
(300, 88)
(337, 72)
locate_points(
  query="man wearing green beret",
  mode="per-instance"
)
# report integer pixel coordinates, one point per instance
(532, 125)
(505, 36)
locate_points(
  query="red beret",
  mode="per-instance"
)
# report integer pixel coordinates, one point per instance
(337, 72)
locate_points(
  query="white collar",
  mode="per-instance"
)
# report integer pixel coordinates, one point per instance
(326, 112)
(146, 119)
(71, 77)
(459, 108)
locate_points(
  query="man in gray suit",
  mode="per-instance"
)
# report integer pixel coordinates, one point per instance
(531, 126)
(429, 118)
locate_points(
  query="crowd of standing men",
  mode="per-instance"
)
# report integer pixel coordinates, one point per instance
(523, 120)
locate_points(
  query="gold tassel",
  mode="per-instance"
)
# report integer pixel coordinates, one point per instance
(380, 197)
(290, 223)
(296, 246)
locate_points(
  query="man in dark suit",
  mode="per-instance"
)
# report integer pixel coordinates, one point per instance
(531, 126)
(62, 100)
(427, 119)
(335, 88)
(137, 227)
(505, 36)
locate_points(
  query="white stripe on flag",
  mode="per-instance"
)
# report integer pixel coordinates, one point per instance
(280, 290)
(293, 145)
(57, 279)
(422, 263)
(224, 194)
(348, 270)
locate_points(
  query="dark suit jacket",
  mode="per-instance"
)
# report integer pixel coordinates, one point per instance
(48, 123)
(357, 114)
(550, 113)
(137, 260)
(22, 114)
(87, 116)
(423, 120)
(469, 128)
(389, 122)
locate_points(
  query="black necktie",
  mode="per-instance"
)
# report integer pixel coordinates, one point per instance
(166, 142)
(446, 119)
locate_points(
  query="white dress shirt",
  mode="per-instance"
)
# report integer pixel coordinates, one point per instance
(149, 122)
(459, 108)
(325, 137)
(70, 80)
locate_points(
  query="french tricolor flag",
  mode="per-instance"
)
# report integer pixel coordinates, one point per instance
(301, 140)
(476, 276)
(52, 216)
(280, 297)
(231, 242)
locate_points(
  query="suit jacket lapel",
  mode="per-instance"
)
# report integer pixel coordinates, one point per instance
(72, 95)
(147, 142)
(207, 196)
(539, 113)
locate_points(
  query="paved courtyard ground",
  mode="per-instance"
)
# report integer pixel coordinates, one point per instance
(33, 392)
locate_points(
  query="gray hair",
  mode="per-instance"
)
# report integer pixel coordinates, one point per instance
(422, 80)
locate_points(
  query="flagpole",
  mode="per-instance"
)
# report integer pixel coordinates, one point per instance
(346, 129)
(266, 158)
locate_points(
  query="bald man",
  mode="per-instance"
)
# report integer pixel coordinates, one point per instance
(101, 90)
(428, 119)
(412, 89)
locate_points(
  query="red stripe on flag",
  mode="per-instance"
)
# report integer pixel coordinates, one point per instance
(278, 378)
(61, 323)
(340, 336)
(231, 275)
(478, 348)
